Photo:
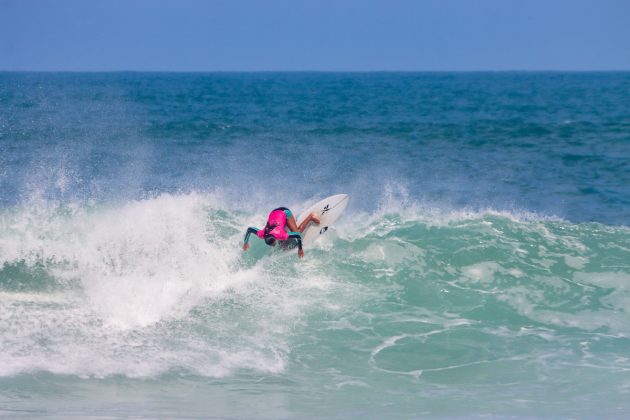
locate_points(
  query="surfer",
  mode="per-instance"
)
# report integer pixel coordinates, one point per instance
(275, 230)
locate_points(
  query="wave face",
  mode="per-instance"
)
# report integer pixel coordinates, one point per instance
(481, 268)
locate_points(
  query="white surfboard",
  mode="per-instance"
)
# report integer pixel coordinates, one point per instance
(328, 210)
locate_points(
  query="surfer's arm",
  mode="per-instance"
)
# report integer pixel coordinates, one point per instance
(250, 230)
(297, 230)
(298, 237)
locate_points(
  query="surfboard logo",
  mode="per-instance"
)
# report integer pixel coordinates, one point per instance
(322, 230)
(325, 209)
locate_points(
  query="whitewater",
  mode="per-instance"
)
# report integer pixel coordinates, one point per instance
(482, 267)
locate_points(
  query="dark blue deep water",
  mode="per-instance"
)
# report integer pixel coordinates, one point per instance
(482, 266)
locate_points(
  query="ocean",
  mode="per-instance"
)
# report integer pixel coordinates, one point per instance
(481, 269)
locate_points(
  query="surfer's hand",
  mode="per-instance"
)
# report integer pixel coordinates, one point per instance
(301, 253)
(245, 247)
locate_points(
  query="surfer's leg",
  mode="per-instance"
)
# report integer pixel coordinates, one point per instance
(311, 218)
(293, 227)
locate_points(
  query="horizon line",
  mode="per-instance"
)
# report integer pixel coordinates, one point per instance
(324, 71)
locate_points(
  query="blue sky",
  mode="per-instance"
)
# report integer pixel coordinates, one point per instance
(335, 35)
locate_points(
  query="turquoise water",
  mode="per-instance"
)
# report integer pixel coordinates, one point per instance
(482, 267)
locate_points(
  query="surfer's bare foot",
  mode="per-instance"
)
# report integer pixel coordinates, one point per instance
(314, 218)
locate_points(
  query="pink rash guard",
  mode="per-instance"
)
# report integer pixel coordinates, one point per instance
(276, 222)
